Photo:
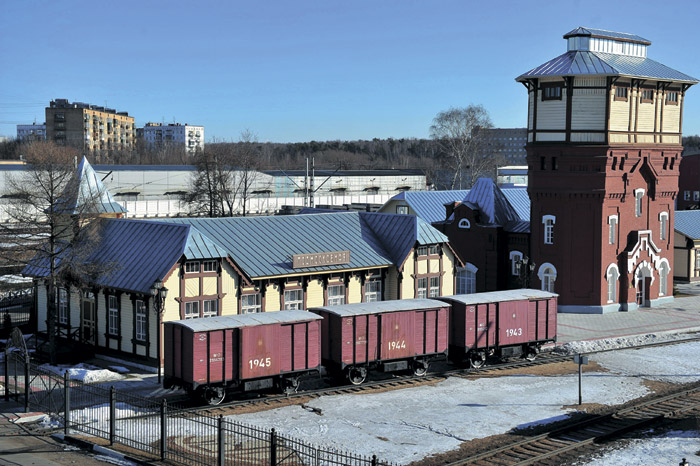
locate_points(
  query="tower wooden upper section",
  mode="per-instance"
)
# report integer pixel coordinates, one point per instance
(604, 90)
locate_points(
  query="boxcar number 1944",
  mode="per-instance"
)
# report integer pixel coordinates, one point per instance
(398, 344)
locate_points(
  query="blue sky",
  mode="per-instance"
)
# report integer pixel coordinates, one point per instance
(302, 70)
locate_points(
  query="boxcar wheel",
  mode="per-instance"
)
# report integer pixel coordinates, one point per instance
(213, 395)
(420, 368)
(531, 354)
(356, 375)
(477, 360)
(290, 385)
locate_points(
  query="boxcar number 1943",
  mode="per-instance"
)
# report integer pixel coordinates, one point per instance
(267, 362)
(514, 332)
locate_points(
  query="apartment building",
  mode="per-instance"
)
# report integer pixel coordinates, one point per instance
(31, 132)
(88, 126)
(158, 135)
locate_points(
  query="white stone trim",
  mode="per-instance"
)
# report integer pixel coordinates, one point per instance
(644, 243)
(617, 220)
(464, 223)
(644, 265)
(512, 255)
(610, 268)
(549, 217)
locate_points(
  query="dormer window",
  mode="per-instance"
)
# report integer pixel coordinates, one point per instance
(552, 91)
(647, 96)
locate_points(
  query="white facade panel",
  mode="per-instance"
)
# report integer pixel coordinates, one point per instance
(587, 137)
(551, 114)
(545, 137)
(672, 118)
(588, 109)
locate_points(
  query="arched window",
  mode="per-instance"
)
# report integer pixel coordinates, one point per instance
(549, 221)
(466, 279)
(638, 195)
(663, 278)
(663, 224)
(516, 258)
(548, 275)
(612, 275)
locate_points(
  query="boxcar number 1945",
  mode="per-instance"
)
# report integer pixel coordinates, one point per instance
(267, 362)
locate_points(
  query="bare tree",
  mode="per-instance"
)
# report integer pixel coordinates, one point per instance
(226, 178)
(461, 134)
(46, 214)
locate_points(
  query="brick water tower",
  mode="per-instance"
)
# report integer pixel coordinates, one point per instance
(604, 146)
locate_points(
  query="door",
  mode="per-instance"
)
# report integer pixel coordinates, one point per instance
(643, 285)
(88, 318)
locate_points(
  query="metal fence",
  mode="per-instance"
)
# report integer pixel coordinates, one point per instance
(17, 306)
(161, 432)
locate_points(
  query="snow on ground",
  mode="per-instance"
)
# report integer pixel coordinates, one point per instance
(83, 372)
(673, 363)
(407, 425)
(120, 369)
(577, 347)
(668, 449)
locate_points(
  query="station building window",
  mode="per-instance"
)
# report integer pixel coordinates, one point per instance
(548, 275)
(422, 289)
(612, 275)
(373, 290)
(250, 303)
(612, 229)
(62, 299)
(663, 278)
(638, 196)
(192, 310)
(192, 267)
(336, 295)
(663, 225)
(141, 328)
(549, 221)
(293, 299)
(210, 308)
(466, 279)
(113, 315)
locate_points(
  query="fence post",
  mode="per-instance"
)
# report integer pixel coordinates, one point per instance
(26, 383)
(374, 460)
(7, 374)
(112, 413)
(221, 453)
(14, 365)
(273, 447)
(163, 429)
(66, 394)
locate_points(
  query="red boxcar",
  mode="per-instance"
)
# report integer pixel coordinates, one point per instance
(388, 335)
(504, 323)
(245, 352)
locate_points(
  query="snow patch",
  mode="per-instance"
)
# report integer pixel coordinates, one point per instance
(84, 372)
(579, 347)
(668, 449)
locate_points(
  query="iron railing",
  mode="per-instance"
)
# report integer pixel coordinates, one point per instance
(158, 430)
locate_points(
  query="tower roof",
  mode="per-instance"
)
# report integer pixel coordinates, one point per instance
(603, 34)
(597, 52)
(87, 194)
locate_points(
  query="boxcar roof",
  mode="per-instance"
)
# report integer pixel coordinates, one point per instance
(379, 307)
(245, 320)
(497, 296)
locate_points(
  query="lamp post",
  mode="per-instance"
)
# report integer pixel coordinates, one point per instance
(159, 293)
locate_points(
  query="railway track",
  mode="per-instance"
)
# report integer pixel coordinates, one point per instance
(567, 440)
(270, 401)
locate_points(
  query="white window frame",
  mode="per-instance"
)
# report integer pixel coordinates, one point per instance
(638, 196)
(612, 275)
(294, 299)
(189, 267)
(373, 290)
(422, 250)
(697, 259)
(402, 209)
(548, 221)
(251, 306)
(516, 258)
(192, 310)
(434, 290)
(336, 294)
(113, 315)
(548, 276)
(612, 229)
(686, 195)
(62, 304)
(663, 225)
(422, 287)
(696, 195)
(209, 266)
(464, 224)
(466, 279)
(141, 327)
(210, 308)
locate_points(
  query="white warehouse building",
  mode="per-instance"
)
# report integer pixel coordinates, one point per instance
(191, 136)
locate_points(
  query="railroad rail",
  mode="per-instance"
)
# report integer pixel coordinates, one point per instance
(577, 436)
(271, 401)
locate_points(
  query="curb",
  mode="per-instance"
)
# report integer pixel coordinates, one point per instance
(99, 449)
